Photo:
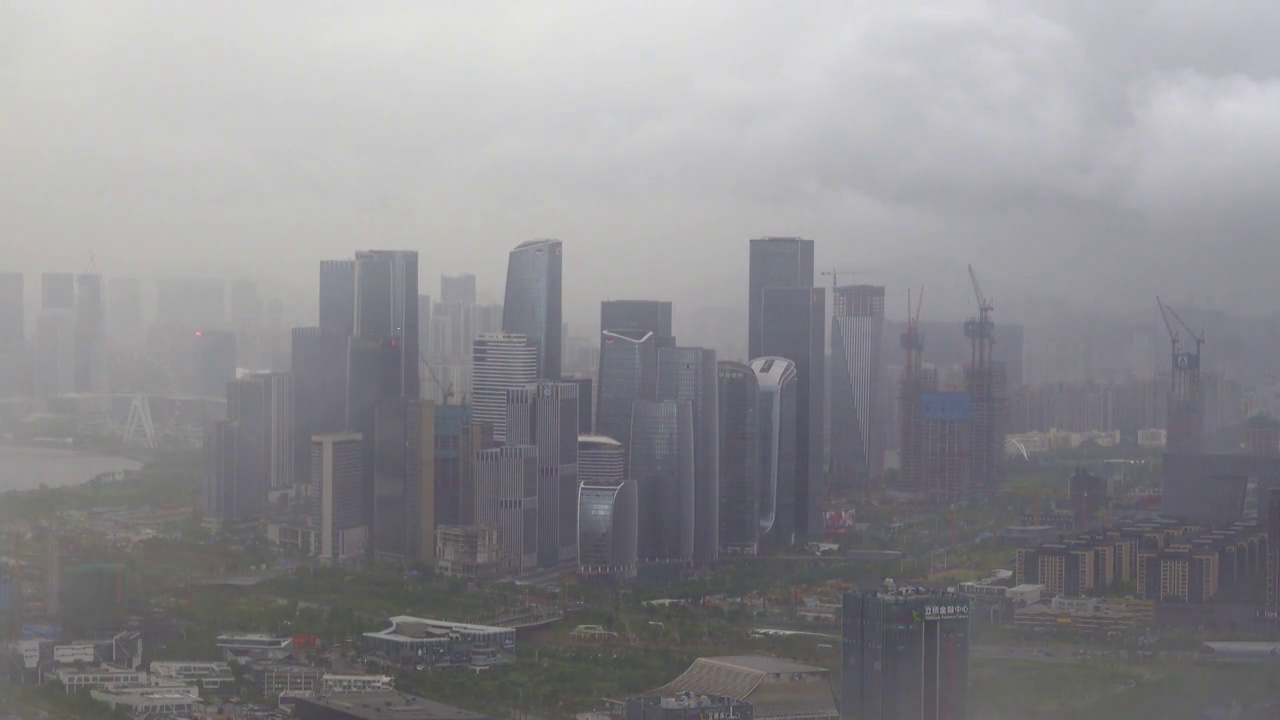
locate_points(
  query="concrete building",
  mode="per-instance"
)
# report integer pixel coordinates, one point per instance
(775, 688)
(545, 415)
(338, 296)
(499, 362)
(628, 372)
(404, 480)
(337, 476)
(386, 307)
(378, 706)
(601, 461)
(507, 498)
(662, 464)
(740, 458)
(472, 552)
(689, 374)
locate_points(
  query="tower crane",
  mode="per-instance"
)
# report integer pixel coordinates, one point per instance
(446, 393)
(835, 273)
(979, 330)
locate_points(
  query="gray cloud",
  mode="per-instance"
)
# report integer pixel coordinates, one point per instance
(1097, 150)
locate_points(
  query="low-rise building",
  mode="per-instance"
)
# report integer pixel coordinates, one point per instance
(468, 551)
(239, 647)
(377, 706)
(147, 701)
(412, 640)
(353, 684)
(211, 676)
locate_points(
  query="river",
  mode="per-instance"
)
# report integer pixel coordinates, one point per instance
(27, 468)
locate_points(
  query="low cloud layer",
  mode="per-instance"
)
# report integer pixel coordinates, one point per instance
(1088, 150)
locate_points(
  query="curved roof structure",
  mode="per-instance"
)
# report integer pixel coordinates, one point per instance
(775, 687)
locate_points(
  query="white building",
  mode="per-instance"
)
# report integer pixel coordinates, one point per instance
(499, 362)
(337, 472)
(347, 684)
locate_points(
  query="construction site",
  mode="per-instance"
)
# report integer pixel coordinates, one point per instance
(952, 439)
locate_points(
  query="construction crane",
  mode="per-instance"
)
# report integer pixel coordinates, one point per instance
(1185, 420)
(446, 393)
(979, 330)
(835, 273)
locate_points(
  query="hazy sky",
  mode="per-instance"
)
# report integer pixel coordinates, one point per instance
(1097, 150)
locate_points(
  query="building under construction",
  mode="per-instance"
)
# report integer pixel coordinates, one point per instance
(1185, 420)
(985, 380)
(914, 382)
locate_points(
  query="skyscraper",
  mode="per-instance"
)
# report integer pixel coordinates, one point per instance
(531, 306)
(690, 374)
(457, 439)
(318, 366)
(337, 478)
(607, 530)
(499, 362)
(424, 334)
(91, 335)
(787, 317)
(777, 422)
(586, 403)
(1272, 608)
(244, 491)
(373, 375)
(793, 329)
(386, 306)
(740, 459)
(58, 291)
(904, 656)
(507, 498)
(601, 461)
(458, 289)
(649, 315)
(338, 296)
(545, 415)
(221, 470)
(857, 426)
(661, 461)
(403, 478)
(776, 262)
(247, 308)
(628, 372)
(262, 403)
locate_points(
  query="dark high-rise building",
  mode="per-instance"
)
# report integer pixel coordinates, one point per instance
(661, 461)
(1088, 496)
(58, 291)
(262, 406)
(318, 365)
(241, 495)
(373, 375)
(787, 319)
(386, 306)
(403, 479)
(507, 498)
(124, 310)
(775, 263)
(777, 422)
(857, 425)
(586, 406)
(91, 335)
(13, 337)
(740, 459)
(457, 439)
(221, 470)
(690, 374)
(213, 362)
(606, 517)
(904, 656)
(649, 315)
(531, 306)
(338, 296)
(628, 372)
(601, 461)
(545, 415)
(793, 328)
(499, 362)
(1273, 555)
(458, 289)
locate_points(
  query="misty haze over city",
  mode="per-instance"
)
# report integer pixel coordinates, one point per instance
(705, 360)
(1084, 154)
